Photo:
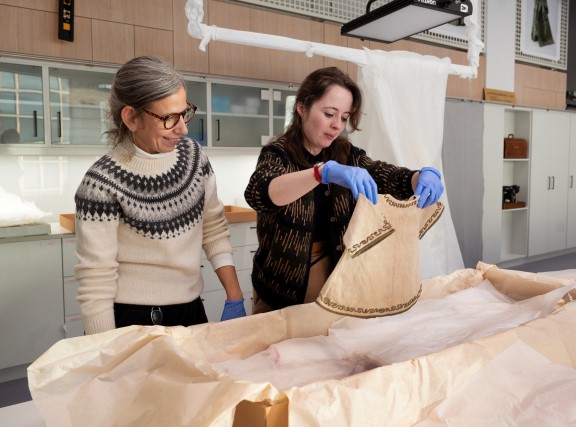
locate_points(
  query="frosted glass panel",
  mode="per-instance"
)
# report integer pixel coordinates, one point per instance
(21, 108)
(78, 106)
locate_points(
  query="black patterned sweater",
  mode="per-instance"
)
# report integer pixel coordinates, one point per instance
(141, 224)
(281, 263)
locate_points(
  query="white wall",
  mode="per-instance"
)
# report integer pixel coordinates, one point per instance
(50, 182)
(500, 44)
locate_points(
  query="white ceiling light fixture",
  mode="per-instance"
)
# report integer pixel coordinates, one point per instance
(403, 18)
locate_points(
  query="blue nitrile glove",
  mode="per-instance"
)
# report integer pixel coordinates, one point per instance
(354, 178)
(233, 310)
(429, 187)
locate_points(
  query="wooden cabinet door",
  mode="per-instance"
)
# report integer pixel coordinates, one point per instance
(549, 181)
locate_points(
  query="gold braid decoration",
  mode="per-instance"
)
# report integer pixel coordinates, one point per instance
(432, 220)
(382, 311)
(402, 205)
(372, 240)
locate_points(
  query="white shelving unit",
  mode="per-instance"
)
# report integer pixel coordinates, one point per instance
(505, 231)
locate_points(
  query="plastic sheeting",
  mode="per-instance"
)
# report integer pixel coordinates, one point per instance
(403, 124)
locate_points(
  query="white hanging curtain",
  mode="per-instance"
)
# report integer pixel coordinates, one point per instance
(404, 109)
(403, 124)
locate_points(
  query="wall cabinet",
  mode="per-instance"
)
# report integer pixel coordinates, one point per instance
(21, 105)
(248, 116)
(79, 106)
(571, 215)
(31, 305)
(549, 176)
(546, 179)
(229, 114)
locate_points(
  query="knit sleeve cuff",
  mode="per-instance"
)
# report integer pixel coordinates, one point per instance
(217, 246)
(101, 322)
(221, 260)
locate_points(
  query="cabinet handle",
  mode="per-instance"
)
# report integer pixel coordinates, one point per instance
(553, 182)
(217, 129)
(201, 129)
(571, 181)
(252, 227)
(35, 115)
(58, 117)
(548, 183)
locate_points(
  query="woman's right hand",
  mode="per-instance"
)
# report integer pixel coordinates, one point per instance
(356, 179)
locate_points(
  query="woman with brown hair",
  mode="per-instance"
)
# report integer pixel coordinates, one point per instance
(305, 186)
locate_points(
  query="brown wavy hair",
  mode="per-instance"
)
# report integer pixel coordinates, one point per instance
(311, 90)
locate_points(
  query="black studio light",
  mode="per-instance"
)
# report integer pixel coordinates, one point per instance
(398, 19)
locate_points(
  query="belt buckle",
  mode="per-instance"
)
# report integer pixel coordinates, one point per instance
(156, 315)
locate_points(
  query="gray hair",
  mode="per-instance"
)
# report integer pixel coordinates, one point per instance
(138, 83)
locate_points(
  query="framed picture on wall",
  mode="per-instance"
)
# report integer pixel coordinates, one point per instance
(540, 28)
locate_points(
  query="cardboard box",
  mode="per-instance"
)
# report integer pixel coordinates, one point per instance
(68, 221)
(239, 214)
(261, 414)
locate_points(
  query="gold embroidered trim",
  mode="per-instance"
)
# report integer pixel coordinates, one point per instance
(372, 240)
(362, 312)
(400, 204)
(432, 220)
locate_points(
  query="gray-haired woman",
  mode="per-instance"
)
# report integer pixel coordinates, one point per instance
(146, 210)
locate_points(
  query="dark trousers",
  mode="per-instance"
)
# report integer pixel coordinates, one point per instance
(191, 313)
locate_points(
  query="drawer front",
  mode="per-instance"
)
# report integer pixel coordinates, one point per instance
(245, 279)
(71, 306)
(243, 233)
(244, 257)
(213, 304)
(73, 326)
(211, 281)
(69, 259)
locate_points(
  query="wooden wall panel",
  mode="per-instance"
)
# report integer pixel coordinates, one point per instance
(113, 43)
(113, 31)
(150, 41)
(332, 37)
(261, 63)
(154, 13)
(539, 87)
(106, 10)
(8, 37)
(38, 35)
(187, 55)
(47, 6)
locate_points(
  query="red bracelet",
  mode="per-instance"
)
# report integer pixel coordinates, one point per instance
(317, 175)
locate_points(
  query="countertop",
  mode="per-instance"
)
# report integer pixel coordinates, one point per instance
(233, 214)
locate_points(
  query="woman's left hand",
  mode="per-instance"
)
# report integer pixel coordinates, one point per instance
(233, 309)
(429, 187)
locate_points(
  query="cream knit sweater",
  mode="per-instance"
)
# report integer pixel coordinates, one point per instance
(141, 224)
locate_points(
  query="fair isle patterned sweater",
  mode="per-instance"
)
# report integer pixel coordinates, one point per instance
(141, 224)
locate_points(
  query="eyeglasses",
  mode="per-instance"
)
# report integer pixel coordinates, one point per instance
(171, 120)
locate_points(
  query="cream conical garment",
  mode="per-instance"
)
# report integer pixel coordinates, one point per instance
(379, 271)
